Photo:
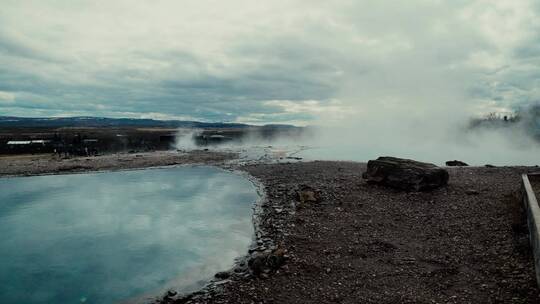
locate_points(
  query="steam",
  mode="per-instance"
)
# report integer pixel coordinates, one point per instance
(184, 139)
(416, 97)
(368, 132)
(241, 138)
(435, 137)
(405, 79)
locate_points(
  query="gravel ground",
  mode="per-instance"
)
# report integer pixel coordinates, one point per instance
(48, 164)
(361, 243)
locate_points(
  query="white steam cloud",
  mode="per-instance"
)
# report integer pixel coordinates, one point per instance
(440, 66)
(184, 139)
(390, 78)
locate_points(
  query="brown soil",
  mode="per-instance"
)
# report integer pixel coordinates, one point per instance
(49, 164)
(362, 243)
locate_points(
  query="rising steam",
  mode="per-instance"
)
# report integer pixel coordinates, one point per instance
(434, 138)
(185, 139)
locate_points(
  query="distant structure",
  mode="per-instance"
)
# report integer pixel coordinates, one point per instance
(28, 146)
(28, 142)
(505, 116)
(19, 142)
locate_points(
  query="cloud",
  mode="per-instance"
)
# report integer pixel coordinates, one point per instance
(7, 97)
(281, 61)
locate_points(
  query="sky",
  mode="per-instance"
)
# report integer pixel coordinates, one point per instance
(298, 62)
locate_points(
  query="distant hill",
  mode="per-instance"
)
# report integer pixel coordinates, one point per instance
(81, 121)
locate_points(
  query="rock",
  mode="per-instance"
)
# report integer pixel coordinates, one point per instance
(472, 192)
(222, 275)
(171, 293)
(456, 163)
(307, 194)
(257, 264)
(276, 259)
(267, 262)
(240, 269)
(184, 299)
(489, 166)
(293, 157)
(405, 174)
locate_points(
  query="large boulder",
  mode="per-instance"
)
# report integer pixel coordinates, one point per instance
(405, 174)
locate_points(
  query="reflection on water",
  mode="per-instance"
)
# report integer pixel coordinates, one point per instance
(106, 237)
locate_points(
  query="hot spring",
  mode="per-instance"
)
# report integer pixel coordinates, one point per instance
(117, 236)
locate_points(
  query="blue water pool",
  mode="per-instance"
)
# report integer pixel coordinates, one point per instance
(119, 236)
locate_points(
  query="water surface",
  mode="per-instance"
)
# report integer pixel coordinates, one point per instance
(109, 237)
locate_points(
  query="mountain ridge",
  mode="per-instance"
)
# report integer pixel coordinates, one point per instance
(96, 121)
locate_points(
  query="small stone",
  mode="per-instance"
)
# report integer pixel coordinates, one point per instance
(307, 194)
(471, 192)
(222, 275)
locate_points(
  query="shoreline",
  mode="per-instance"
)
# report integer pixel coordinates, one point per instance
(240, 269)
(45, 164)
(147, 161)
(445, 246)
(370, 244)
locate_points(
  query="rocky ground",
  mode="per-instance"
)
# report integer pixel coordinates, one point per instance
(353, 242)
(50, 164)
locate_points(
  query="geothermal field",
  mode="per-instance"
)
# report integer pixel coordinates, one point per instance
(245, 219)
(269, 152)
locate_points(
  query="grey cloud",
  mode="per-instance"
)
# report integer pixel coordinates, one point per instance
(362, 52)
(15, 46)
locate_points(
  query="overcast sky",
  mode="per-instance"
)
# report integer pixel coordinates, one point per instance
(266, 61)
